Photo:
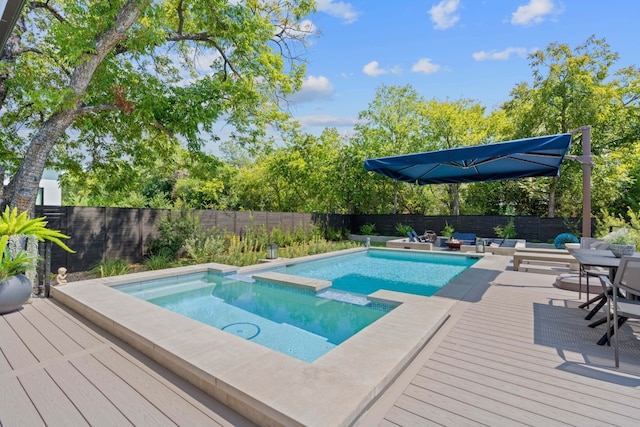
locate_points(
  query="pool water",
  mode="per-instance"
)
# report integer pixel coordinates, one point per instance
(285, 319)
(366, 272)
(295, 321)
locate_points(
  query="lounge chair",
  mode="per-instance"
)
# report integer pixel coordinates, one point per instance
(628, 280)
(495, 243)
(414, 235)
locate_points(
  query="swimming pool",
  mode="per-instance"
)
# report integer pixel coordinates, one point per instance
(263, 384)
(290, 320)
(299, 322)
(367, 272)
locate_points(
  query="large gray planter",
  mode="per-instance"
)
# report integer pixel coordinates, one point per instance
(14, 292)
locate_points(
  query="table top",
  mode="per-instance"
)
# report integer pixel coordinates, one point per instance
(596, 257)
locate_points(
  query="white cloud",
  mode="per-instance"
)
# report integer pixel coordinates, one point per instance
(502, 55)
(444, 14)
(425, 66)
(326, 121)
(339, 9)
(373, 69)
(313, 88)
(532, 13)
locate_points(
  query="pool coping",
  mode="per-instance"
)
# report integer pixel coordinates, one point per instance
(281, 390)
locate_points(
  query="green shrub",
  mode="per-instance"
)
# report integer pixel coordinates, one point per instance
(316, 246)
(607, 222)
(111, 267)
(173, 230)
(506, 232)
(205, 247)
(368, 229)
(158, 262)
(336, 235)
(403, 229)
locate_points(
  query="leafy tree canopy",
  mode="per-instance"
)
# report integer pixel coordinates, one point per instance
(101, 81)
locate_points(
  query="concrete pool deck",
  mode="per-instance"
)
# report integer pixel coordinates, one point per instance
(263, 385)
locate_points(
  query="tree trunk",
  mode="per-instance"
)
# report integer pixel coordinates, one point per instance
(552, 196)
(22, 191)
(454, 199)
(395, 197)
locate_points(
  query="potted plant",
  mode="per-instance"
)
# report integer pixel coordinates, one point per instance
(15, 261)
(15, 288)
(447, 232)
(12, 224)
(623, 242)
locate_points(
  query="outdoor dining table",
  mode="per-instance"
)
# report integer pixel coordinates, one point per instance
(589, 258)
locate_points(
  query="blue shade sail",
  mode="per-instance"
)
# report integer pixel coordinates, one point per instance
(539, 156)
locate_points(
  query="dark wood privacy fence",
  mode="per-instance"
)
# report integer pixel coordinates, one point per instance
(530, 228)
(98, 233)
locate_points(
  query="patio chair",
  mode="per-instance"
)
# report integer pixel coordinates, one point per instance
(418, 238)
(495, 243)
(593, 243)
(622, 307)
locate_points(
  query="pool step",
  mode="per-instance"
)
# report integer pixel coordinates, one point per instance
(295, 281)
(240, 277)
(344, 297)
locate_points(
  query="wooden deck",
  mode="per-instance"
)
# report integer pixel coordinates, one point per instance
(520, 355)
(56, 369)
(517, 352)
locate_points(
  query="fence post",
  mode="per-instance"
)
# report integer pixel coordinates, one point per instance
(47, 268)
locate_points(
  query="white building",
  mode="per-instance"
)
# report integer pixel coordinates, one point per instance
(49, 191)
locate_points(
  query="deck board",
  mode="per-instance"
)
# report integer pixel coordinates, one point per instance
(521, 354)
(16, 408)
(482, 397)
(89, 401)
(35, 341)
(432, 406)
(85, 376)
(16, 353)
(547, 389)
(50, 329)
(53, 405)
(137, 409)
(79, 330)
(160, 395)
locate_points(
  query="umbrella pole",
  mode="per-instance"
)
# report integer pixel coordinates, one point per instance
(587, 162)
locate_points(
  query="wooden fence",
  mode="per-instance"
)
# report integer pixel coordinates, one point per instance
(527, 227)
(98, 233)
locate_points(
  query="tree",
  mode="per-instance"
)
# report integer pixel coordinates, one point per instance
(453, 124)
(393, 125)
(302, 176)
(97, 81)
(572, 89)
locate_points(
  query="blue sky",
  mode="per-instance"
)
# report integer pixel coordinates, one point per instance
(446, 50)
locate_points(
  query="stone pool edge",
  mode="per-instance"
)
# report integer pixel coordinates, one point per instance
(280, 390)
